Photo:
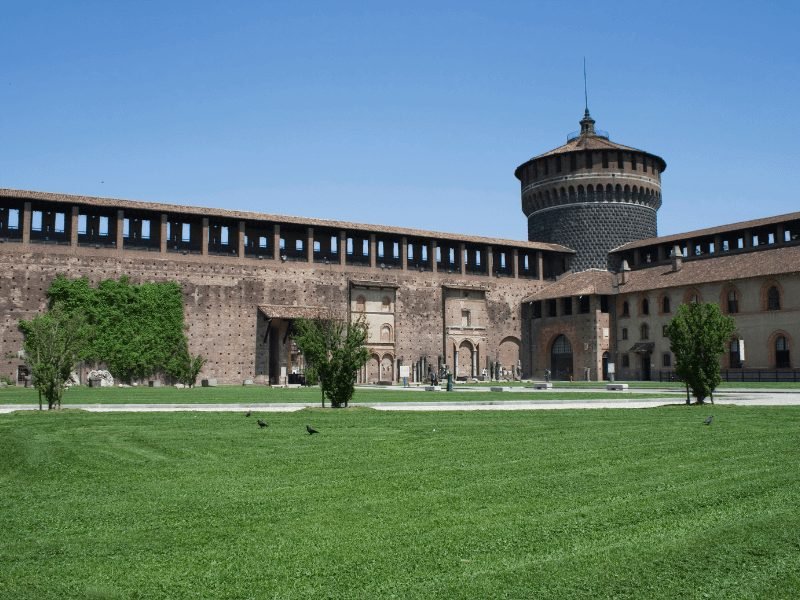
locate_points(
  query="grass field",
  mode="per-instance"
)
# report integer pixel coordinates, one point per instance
(263, 394)
(563, 504)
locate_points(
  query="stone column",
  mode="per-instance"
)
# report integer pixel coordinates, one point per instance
(539, 265)
(276, 241)
(342, 248)
(310, 245)
(515, 263)
(489, 261)
(373, 255)
(73, 227)
(240, 251)
(637, 257)
(204, 237)
(455, 363)
(121, 230)
(474, 363)
(462, 248)
(779, 233)
(432, 254)
(27, 214)
(163, 233)
(404, 253)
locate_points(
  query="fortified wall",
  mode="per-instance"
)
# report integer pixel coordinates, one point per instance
(429, 298)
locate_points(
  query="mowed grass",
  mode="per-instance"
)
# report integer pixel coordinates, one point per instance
(267, 395)
(562, 504)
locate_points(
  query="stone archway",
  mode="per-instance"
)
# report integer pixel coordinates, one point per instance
(387, 368)
(373, 369)
(561, 358)
(509, 355)
(466, 359)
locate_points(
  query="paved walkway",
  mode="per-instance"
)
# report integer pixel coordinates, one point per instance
(743, 398)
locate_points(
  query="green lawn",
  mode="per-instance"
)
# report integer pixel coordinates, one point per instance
(562, 504)
(263, 394)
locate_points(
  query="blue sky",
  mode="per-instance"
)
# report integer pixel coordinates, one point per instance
(412, 114)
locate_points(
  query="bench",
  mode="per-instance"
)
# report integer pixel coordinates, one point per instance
(616, 387)
(496, 388)
(543, 385)
(433, 388)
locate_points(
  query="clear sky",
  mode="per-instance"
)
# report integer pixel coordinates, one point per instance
(400, 113)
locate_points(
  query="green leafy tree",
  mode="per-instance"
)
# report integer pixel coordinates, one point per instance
(698, 334)
(185, 368)
(335, 351)
(53, 346)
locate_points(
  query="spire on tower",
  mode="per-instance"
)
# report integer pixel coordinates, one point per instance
(587, 122)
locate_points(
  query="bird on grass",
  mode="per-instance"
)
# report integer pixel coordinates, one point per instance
(311, 430)
(708, 420)
(262, 424)
(248, 414)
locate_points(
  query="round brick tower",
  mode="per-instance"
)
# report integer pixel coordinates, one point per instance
(592, 195)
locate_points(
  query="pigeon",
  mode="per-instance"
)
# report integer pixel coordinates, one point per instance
(708, 420)
(248, 414)
(262, 424)
(311, 430)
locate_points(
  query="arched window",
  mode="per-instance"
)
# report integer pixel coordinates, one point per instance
(733, 302)
(782, 353)
(361, 304)
(665, 307)
(644, 332)
(773, 298)
(386, 333)
(626, 309)
(645, 306)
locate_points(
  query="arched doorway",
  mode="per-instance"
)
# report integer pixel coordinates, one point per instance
(605, 366)
(465, 360)
(509, 355)
(561, 358)
(387, 368)
(373, 369)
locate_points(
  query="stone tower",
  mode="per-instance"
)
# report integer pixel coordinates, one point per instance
(592, 195)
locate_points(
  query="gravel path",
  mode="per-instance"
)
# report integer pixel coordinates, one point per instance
(744, 398)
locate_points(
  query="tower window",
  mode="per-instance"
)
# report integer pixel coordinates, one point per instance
(773, 298)
(604, 158)
(733, 302)
(588, 160)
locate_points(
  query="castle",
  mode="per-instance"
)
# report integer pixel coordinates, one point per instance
(587, 297)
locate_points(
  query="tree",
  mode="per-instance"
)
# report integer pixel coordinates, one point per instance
(335, 351)
(53, 345)
(185, 368)
(698, 334)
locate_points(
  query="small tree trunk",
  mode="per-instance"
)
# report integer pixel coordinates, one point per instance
(40, 399)
(688, 398)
